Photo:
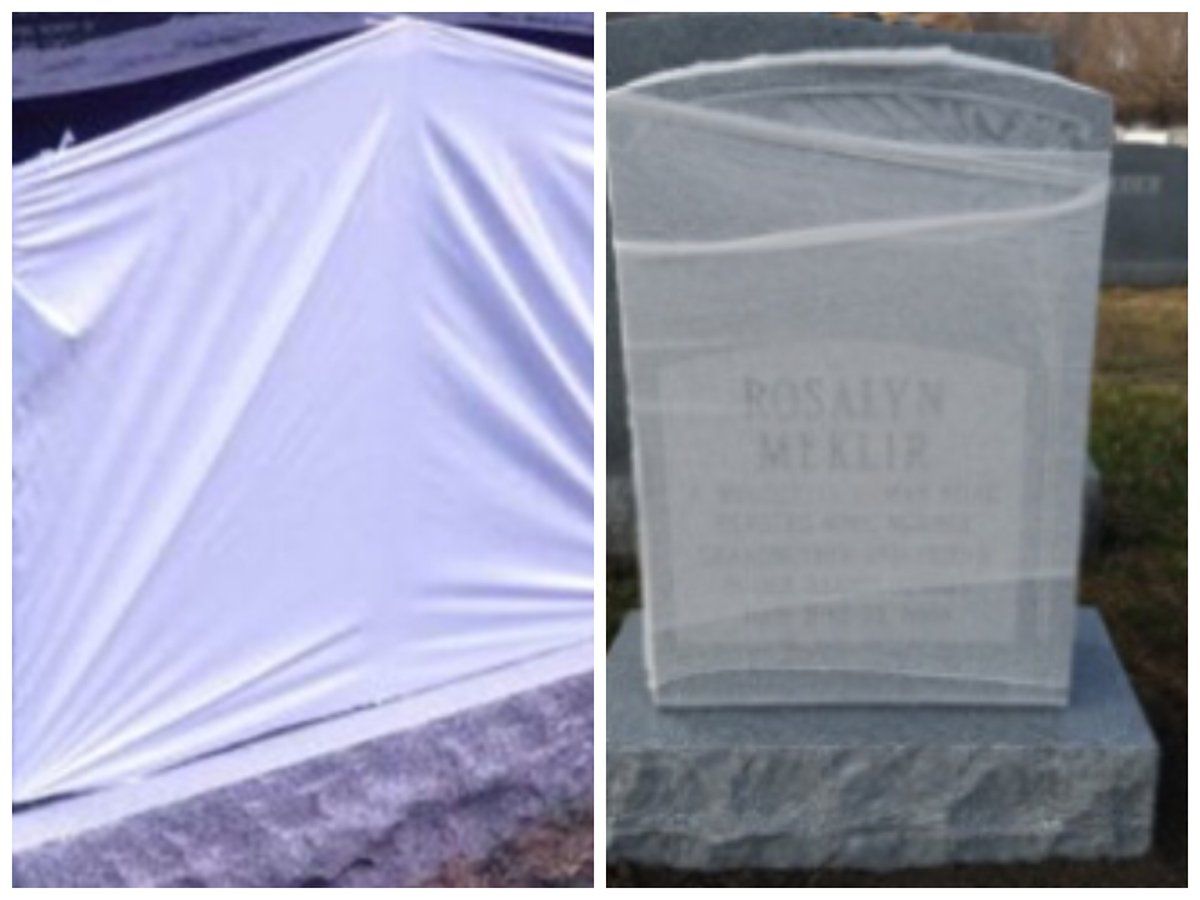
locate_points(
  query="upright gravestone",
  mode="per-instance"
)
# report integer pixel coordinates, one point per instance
(859, 303)
(640, 45)
(1145, 236)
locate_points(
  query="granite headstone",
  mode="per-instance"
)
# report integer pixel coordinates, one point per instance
(1145, 237)
(860, 297)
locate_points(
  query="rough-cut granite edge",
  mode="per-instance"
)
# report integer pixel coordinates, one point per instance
(853, 798)
(981, 806)
(386, 812)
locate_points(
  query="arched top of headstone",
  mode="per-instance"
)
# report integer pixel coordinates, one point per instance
(847, 145)
(641, 44)
(933, 95)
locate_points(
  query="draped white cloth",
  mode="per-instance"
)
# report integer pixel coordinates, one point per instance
(303, 401)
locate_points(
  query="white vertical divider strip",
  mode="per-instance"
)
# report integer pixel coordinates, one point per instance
(599, 441)
(6, 523)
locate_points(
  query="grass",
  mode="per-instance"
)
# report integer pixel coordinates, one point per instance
(1138, 580)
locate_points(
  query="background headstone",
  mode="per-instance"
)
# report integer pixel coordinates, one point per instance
(1145, 239)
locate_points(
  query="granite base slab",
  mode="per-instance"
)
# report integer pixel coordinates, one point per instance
(878, 788)
(354, 802)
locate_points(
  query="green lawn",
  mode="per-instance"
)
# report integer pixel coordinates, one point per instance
(1138, 580)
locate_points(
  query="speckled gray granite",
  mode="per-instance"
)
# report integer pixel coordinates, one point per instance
(386, 812)
(801, 788)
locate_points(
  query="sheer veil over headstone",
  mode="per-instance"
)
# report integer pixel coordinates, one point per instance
(858, 299)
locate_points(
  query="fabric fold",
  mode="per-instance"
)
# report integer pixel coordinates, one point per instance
(280, 455)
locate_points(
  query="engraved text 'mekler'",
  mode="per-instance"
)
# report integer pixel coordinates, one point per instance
(838, 496)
